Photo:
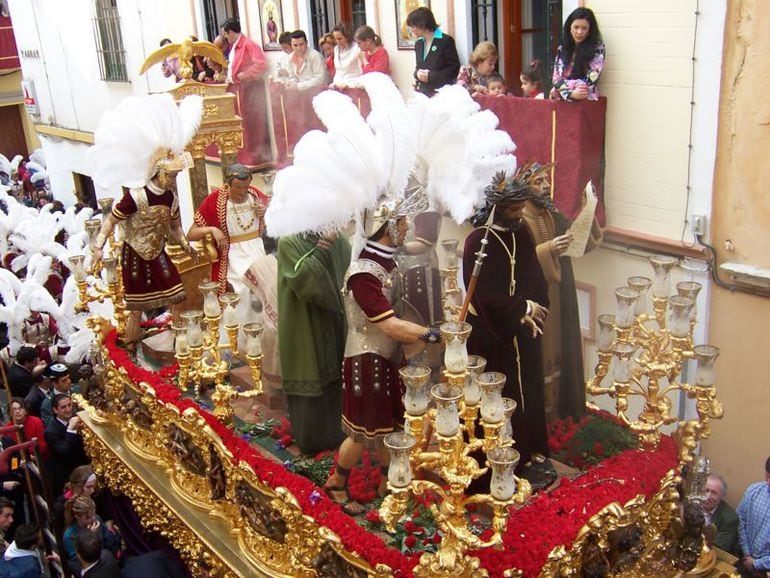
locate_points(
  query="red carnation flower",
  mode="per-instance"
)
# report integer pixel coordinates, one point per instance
(412, 528)
(410, 541)
(373, 516)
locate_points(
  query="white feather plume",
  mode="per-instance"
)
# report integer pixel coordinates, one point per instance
(335, 173)
(128, 136)
(78, 335)
(73, 221)
(5, 165)
(459, 150)
(190, 112)
(392, 125)
(34, 167)
(38, 156)
(15, 162)
(36, 236)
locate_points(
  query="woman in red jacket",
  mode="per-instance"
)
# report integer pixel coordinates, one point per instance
(32, 426)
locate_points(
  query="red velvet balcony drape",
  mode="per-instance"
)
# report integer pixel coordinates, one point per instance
(9, 56)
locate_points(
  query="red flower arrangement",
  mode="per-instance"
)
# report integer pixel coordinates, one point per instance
(282, 432)
(549, 520)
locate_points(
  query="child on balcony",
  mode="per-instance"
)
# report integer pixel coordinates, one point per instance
(496, 86)
(531, 79)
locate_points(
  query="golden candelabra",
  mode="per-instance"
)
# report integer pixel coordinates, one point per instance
(199, 351)
(111, 282)
(469, 393)
(648, 354)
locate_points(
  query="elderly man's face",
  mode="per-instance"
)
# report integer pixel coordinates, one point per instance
(713, 494)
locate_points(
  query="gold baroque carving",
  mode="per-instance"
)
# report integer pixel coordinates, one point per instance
(154, 514)
(621, 541)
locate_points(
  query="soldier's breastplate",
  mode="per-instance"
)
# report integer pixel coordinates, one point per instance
(363, 335)
(36, 332)
(147, 229)
(422, 290)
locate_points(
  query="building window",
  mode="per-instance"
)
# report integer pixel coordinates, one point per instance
(358, 13)
(321, 19)
(85, 191)
(484, 21)
(109, 41)
(215, 12)
(325, 14)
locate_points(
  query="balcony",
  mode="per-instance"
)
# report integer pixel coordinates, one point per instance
(570, 134)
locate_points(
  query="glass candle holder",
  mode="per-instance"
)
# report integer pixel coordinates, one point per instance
(491, 384)
(706, 356)
(606, 332)
(399, 445)
(642, 285)
(92, 227)
(455, 336)
(661, 281)
(626, 298)
(449, 247)
(193, 329)
(503, 462)
(229, 301)
(447, 415)
(623, 370)
(690, 289)
(211, 306)
(679, 315)
(471, 391)
(110, 270)
(180, 338)
(509, 406)
(695, 483)
(415, 378)
(105, 205)
(78, 268)
(253, 332)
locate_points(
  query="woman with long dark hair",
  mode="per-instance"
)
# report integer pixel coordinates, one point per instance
(580, 58)
(347, 65)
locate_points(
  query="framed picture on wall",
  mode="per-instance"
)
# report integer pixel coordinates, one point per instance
(272, 23)
(403, 8)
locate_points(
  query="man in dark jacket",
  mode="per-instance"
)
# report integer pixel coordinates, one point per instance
(95, 560)
(719, 513)
(62, 434)
(20, 374)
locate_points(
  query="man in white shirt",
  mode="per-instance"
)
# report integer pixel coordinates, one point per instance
(307, 67)
(284, 58)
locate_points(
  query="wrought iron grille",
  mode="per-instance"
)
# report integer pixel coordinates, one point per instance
(359, 13)
(215, 12)
(320, 19)
(109, 41)
(484, 21)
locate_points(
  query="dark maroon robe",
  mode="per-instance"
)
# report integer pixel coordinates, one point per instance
(499, 336)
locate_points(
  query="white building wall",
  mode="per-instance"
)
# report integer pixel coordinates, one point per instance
(648, 81)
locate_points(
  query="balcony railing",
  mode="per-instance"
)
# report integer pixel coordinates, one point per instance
(569, 134)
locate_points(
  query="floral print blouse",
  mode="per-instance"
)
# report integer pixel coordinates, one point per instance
(563, 85)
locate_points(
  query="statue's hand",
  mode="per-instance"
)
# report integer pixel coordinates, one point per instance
(561, 243)
(532, 324)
